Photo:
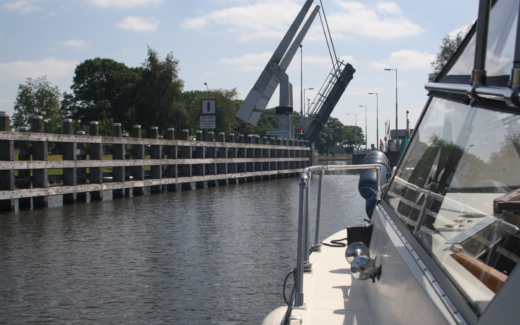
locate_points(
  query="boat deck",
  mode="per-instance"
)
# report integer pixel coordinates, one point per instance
(332, 296)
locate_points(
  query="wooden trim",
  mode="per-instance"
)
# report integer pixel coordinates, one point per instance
(49, 137)
(60, 190)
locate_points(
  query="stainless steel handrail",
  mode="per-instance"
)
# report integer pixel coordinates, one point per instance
(441, 198)
(303, 216)
(510, 96)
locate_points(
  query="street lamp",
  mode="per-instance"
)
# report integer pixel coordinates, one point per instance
(395, 103)
(304, 89)
(207, 90)
(356, 124)
(366, 134)
(377, 118)
(301, 87)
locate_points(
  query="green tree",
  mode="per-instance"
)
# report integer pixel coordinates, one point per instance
(158, 94)
(38, 97)
(226, 109)
(101, 88)
(446, 50)
(350, 136)
(332, 134)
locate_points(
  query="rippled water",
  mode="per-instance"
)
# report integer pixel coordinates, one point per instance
(208, 256)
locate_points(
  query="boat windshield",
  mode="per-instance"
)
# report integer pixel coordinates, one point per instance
(457, 189)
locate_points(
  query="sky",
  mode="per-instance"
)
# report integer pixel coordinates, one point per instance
(227, 43)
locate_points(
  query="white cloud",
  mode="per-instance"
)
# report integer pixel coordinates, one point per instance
(257, 61)
(264, 19)
(51, 67)
(454, 33)
(74, 43)
(357, 19)
(248, 62)
(405, 59)
(139, 24)
(389, 8)
(271, 19)
(124, 4)
(21, 6)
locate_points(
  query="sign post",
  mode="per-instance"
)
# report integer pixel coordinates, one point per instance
(208, 114)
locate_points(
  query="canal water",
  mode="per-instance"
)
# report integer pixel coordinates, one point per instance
(208, 256)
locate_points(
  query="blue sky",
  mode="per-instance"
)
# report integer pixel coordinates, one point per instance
(226, 43)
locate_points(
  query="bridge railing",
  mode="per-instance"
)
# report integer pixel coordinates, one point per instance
(91, 163)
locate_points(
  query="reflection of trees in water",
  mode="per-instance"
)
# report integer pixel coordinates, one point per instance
(504, 164)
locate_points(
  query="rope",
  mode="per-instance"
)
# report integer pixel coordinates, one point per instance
(290, 301)
(336, 243)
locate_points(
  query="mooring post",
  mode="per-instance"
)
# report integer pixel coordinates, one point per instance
(95, 152)
(69, 153)
(265, 154)
(232, 153)
(211, 152)
(138, 153)
(155, 153)
(186, 154)
(272, 154)
(118, 153)
(171, 153)
(81, 173)
(258, 154)
(279, 154)
(39, 152)
(200, 153)
(222, 154)
(291, 155)
(6, 154)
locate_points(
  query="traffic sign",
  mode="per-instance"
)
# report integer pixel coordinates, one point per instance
(208, 122)
(208, 107)
(281, 134)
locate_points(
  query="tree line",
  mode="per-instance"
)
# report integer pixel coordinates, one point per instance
(153, 94)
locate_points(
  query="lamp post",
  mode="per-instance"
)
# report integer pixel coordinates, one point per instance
(207, 90)
(304, 89)
(395, 102)
(355, 115)
(377, 118)
(366, 134)
(301, 86)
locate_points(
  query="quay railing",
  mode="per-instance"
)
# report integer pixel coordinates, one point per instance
(136, 162)
(303, 216)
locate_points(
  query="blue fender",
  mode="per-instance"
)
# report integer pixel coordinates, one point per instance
(368, 179)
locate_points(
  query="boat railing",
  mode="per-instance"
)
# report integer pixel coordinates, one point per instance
(303, 216)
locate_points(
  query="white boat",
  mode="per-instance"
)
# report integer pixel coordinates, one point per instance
(442, 244)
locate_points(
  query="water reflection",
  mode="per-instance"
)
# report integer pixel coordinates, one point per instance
(215, 255)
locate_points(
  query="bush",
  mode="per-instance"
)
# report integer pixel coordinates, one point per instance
(332, 153)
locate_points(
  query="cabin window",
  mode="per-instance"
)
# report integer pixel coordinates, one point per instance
(457, 190)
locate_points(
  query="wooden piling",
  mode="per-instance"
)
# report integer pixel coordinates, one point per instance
(6, 154)
(222, 154)
(118, 153)
(200, 153)
(232, 153)
(171, 153)
(155, 153)
(185, 151)
(81, 173)
(138, 153)
(39, 152)
(69, 153)
(95, 153)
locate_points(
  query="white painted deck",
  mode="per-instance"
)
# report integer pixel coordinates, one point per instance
(331, 295)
